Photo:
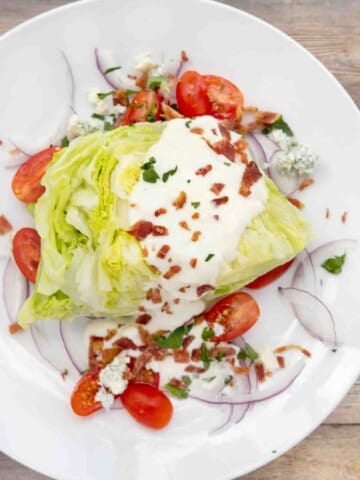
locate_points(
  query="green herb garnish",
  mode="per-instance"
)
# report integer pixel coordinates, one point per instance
(207, 333)
(176, 391)
(209, 257)
(111, 69)
(227, 164)
(195, 204)
(248, 353)
(108, 126)
(98, 116)
(158, 82)
(334, 264)
(188, 123)
(64, 141)
(228, 379)
(150, 175)
(168, 174)
(220, 356)
(174, 339)
(209, 379)
(186, 380)
(279, 124)
(205, 356)
(150, 117)
(101, 96)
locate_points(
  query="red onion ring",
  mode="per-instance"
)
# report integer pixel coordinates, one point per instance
(102, 70)
(35, 335)
(16, 289)
(67, 350)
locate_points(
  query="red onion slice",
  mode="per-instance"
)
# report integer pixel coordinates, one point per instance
(312, 313)
(287, 185)
(110, 78)
(43, 346)
(267, 145)
(257, 151)
(15, 290)
(72, 338)
(71, 80)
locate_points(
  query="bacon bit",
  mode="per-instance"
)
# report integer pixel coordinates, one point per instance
(159, 231)
(344, 217)
(226, 148)
(216, 217)
(260, 371)
(196, 354)
(240, 145)
(159, 354)
(177, 383)
(244, 158)
(195, 236)
(281, 361)
(292, 346)
(202, 289)
(15, 328)
(225, 132)
(203, 170)
(5, 225)
(327, 213)
(184, 225)
(141, 81)
(220, 200)
(173, 270)
(267, 118)
(241, 370)
(64, 373)
(141, 361)
(193, 262)
(194, 369)
(226, 351)
(169, 113)
(181, 356)
(251, 109)
(187, 341)
(132, 77)
(154, 295)
(125, 344)
(184, 56)
(141, 229)
(160, 211)
(141, 309)
(176, 300)
(297, 203)
(1, 142)
(110, 334)
(183, 289)
(197, 130)
(195, 215)
(96, 347)
(179, 202)
(306, 183)
(120, 98)
(145, 251)
(109, 354)
(143, 319)
(166, 308)
(251, 175)
(217, 188)
(164, 250)
(145, 336)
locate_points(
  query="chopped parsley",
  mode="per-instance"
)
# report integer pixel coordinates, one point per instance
(209, 257)
(205, 356)
(209, 379)
(228, 379)
(111, 69)
(176, 391)
(188, 123)
(220, 356)
(227, 164)
(98, 116)
(195, 204)
(334, 264)
(128, 93)
(279, 124)
(248, 353)
(101, 96)
(186, 380)
(150, 175)
(64, 141)
(108, 126)
(174, 339)
(207, 333)
(150, 117)
(158, 82)
(188, 181)
(168, 174)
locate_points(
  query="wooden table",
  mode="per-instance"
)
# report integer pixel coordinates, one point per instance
(331, 30)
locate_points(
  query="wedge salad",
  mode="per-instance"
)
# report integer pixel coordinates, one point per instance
(150, 218)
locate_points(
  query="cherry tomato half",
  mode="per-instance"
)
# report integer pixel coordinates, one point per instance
(26, 251)
(191, 95)
(225, 98)
(147, 404)
(144, 107)
(237, 313)
(83, 400)
(270, 277)
(26, 182)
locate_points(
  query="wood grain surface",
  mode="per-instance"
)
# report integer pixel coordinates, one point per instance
(330, 29)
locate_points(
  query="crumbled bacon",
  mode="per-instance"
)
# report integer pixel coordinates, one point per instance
(193, 262)
(194, 369)
(141, 81)
(183, 289)
(195, 215)
(120, 97)
(169, 113)
(217, 188)
(141, 229)
(202, 289)
(145, 336)
(225, 132)
(196, 354)
(306, 183)
(225, 351)
(297, 203)
(159, 354)
(187, 341)
(181, 356)
(267, 118)
(164, 250)
(251, 109)
(240, 145)
(292, 346)
(281, 361)
(143, 319)
(145, 251)
(15, 328)
(173, 270)
(344, 217)
(141, 361)
(176, 300)
(197, 130)
(327, 213)
(184, 225)
(1, 142)
(184, 56)
(96, 346)
(159, 231)
(220, 200)
(179, 202)
(109, 354)
(241, 370)
(154, 295)
(226, 148)
(160, 211)
(251, 175)
(110, 334)
(125, 344)
(166, 308)
(5, 225)
(260, 371)
(195, 236)
(203, 170)
(244, 157)
(216, 217)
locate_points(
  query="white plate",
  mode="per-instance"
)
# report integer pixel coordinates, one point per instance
(37, 427)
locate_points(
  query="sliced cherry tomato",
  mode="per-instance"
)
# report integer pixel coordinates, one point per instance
(144, 107)
(147, 404)
(191, 95)
(237, 313)
(26, 182)
(270, 277)
(83, 400)
(226, 99)
(26, 251)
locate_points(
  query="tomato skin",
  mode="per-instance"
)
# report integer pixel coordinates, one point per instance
(26, 252)
(238, 312)
(191, 95)
(26, 182)
(269, 277)
(83, 396)
(143, 104)
(147, 404)
(225, 98)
